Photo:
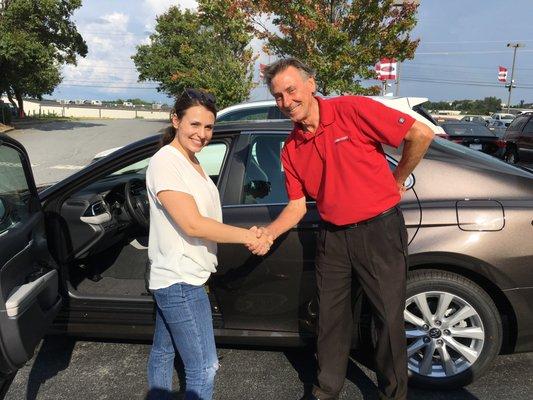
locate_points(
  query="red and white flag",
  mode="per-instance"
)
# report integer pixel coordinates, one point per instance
(502, 74)
(386, 69)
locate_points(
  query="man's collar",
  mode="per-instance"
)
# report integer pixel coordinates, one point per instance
(326, 117)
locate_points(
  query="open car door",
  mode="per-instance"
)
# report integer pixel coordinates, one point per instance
(29, 297)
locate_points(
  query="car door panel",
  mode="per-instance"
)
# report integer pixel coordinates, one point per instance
(271, 292)
(29, 298)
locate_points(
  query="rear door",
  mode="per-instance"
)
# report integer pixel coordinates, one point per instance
(525, 142)
(29, 298)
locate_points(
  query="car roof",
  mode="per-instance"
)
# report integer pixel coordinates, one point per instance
(411, 101)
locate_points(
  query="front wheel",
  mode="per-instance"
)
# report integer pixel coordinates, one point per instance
(453, 329)
(511, 156)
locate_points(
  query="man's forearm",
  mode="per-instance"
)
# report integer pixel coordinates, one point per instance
(414, 148)
(289, 217)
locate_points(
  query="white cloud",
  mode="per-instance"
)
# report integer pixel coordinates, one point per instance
(108, 66)
(157, 7)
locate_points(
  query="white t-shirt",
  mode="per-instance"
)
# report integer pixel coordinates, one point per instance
(175, 256)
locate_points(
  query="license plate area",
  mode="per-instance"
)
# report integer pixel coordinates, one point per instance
(475, 146)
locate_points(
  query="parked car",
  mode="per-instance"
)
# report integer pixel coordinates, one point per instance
(480, 119)
(519, 139)
(267, 110)
(498, 127)
(502, 117)
(254, 110)
(75, 256)
(474, 136)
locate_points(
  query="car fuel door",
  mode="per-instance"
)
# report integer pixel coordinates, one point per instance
(29, 297)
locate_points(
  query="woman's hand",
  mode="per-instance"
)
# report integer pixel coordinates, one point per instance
(261, 242)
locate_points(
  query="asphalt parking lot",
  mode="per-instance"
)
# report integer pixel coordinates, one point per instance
(66, 368)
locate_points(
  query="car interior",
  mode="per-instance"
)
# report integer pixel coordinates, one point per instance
(108, 222)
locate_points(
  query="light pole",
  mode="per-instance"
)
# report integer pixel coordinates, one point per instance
(402, 3)
(510, 86)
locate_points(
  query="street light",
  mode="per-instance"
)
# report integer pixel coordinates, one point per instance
(401, 3)
(510, 86)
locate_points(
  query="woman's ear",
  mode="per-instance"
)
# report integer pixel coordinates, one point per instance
(175, 121)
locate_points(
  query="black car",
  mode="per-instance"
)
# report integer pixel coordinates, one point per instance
(519, 139)
(474, 136)
(73, 257)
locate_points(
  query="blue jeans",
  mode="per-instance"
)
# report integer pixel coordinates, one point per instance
(184, 324)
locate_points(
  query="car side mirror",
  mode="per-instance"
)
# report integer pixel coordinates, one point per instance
(257, 188)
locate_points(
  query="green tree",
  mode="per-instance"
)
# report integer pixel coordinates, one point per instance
(36, 38)
(341, 39)
(207, 49)
(482, 107)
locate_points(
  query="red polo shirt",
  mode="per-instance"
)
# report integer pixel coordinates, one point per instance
(342, 165)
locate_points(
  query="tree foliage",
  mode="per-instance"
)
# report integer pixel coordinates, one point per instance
(341, 39)
(482, 107)
(36, 38)
(207, 49)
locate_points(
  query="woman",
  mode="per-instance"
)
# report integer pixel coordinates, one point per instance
(185, 225)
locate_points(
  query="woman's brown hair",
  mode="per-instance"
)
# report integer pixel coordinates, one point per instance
(189, 98)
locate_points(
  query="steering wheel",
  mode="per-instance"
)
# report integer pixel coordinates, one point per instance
(137, 202)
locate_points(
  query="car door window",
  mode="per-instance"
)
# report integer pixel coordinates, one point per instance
(211, 159)
(518, 123)
(255, 113)
(15, 194)
(264, 178)
(528, 129)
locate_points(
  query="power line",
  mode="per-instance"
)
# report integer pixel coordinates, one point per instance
(460, 82)
(109, 87)
(451, 53)
(478, 41)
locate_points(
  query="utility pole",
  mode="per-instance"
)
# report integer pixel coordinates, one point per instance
(510, 85)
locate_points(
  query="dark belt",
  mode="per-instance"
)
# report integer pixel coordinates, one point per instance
(332, 227)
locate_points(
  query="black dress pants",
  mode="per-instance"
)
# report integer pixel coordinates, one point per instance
(374, 253)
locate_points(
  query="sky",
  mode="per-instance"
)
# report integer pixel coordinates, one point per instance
(462, 43)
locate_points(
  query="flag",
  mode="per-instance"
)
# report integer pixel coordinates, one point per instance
(502, 74)
(386, 69)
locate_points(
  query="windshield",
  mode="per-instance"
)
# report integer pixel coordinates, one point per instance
(469, 129)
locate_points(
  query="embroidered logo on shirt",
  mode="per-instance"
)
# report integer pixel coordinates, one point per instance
(401, 120)
(341, 139)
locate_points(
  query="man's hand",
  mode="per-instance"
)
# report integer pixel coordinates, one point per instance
(263, 240)
(401, 188)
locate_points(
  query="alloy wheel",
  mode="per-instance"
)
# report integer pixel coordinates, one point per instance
(445, 334)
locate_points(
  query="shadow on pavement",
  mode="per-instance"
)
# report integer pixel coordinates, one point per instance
(304, 363)
(54, 125)
(53, 357)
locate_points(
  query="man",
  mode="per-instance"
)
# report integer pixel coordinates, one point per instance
(334, 155)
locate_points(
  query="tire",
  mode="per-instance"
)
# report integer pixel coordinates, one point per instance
(511, 156)
(466, 330)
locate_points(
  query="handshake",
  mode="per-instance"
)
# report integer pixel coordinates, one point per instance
(261, 242)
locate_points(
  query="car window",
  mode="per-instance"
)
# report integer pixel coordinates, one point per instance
(518, 123)
(14, 191)
(3, 211)
(264, 178)
(528, 129)
(211, 159)
(255, 113)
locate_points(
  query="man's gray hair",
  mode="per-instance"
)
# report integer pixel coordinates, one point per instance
(278, 66)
